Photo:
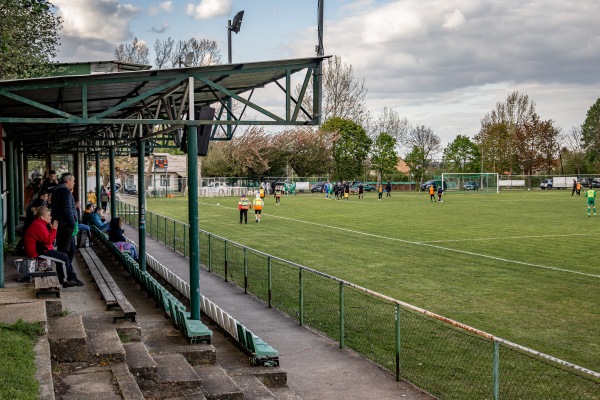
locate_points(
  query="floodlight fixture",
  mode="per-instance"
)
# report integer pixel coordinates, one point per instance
(237, 22)
(189, 58)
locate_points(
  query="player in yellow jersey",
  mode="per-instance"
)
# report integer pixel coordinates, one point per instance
(591, 200)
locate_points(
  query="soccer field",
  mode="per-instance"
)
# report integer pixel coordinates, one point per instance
(519, 265)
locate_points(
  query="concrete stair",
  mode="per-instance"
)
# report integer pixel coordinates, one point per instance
(94, 358)
(68, 339)
(217, 384)
(106, 345)
(140, 362)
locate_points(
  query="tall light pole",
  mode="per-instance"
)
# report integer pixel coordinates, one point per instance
(320, 53)
(232, 27)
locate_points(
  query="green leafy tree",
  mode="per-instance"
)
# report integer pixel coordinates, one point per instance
(572, 154)
(590, 131)
(220, 160)
(28, 38)
(417, 162)
(350, 147)
(494, 142)
(462, 155)
(383, 155)
(423, 138)
(309, 151)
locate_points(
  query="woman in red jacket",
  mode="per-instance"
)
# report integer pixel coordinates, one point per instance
(39, 239)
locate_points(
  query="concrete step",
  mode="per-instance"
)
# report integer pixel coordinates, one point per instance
(30, 311)
(199, 354)
(271, 377)
(285, 393)
(253, 388)
(176, 378)
(93, 383)
(126, 381)
(140, 363)
(43, 372)
(106, 346)
(67, 339)
(216, 384)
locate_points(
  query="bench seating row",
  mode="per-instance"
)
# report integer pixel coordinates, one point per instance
(109, 291)
(260, 352)
(194, 330)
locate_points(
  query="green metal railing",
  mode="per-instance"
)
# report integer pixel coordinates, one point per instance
(443, 357)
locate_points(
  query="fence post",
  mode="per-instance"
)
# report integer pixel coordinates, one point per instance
(245, 270)
(174, 235)
(496, 361)
(301, 296)
(341, 315)
(184, 242)
(226, 261)
(157, 226)
(397, 342)
(209, 253)
(165, 239)
(269, 280)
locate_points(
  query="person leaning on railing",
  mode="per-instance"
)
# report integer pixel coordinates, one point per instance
(39, 239)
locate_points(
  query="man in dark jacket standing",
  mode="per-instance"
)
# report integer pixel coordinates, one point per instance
(64, 211)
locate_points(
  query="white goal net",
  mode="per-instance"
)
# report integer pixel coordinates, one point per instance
(470, 181)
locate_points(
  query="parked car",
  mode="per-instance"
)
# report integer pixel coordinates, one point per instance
(435, 183)
(217, 184)
(471, 185)
(596, 183)
(366, 187)
(318, 187)
(585, 182)
(129, 189)
(546, 184)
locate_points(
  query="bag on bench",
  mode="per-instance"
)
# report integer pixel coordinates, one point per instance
(83, 239)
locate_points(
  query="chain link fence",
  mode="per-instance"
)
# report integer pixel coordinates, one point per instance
(445, 358)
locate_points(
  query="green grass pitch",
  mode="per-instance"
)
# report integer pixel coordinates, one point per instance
(521, 265)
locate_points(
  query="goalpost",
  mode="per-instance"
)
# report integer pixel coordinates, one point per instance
(485, 181)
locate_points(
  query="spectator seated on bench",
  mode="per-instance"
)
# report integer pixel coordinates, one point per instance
(38, 241)
(87, 213)
(115, 235)
(96, 220)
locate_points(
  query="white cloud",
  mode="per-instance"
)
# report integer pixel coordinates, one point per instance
(209, 9)
(87, 19)
(164, 7)
(445, 63)
(454, 20)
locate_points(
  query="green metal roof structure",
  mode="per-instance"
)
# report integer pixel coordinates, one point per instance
(90, 113)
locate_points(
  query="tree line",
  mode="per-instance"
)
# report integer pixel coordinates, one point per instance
(351, 143)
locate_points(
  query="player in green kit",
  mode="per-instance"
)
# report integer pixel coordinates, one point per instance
(591, 200)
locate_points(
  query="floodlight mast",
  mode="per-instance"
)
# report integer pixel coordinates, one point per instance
(319, 70)
(235, 27)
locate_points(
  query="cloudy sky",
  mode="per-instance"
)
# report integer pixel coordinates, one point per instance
(440, 63)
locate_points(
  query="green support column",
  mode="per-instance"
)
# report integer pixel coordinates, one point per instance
(141, 206)
(192, 158)
(98, 189)
(10, 175)
(85, 178)
(1, 236)
(20, 180)
(113, 197)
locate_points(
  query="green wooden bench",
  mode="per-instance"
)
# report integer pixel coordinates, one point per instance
(109, 291)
